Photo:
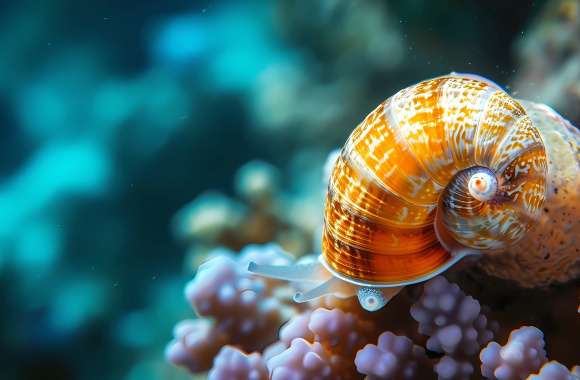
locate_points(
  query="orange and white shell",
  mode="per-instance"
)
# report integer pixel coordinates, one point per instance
(398, 207)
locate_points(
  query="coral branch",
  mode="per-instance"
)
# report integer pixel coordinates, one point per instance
(522, 355)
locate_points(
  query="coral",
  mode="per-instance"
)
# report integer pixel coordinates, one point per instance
(342, 333)
(257, 182)
(393, 357)
(335, 343)
(297, 327)
(209, 218)
(522, 355)
(233, 364)
(354, 44)
(305, 360)
(450, 369)
(555, 371)
(337, 333)
(195, 344)
(454, 324)
(238, 308)
(241, 303)
(452, 320)
(352, 36)
(549, 58)
(260, 214)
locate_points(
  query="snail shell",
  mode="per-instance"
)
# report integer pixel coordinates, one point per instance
(449, 167)
(399, 205)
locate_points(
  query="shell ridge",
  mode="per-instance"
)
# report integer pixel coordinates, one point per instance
(527, 149)
(448, 133)
(513, 129)
(353, 208)
(394, 120)
(357, 163)
(499, 116)
(465, 101)
(476, 136)
(371, 236)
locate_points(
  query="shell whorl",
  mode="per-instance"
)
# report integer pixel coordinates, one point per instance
(411, 159)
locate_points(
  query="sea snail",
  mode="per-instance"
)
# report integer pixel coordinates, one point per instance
(444, 169)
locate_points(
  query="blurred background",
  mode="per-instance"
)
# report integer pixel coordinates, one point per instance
(137, 135)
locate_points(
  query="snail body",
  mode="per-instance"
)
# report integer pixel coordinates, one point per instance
(444, 169)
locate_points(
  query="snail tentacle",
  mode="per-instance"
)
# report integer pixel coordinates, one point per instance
(295, 272)
(333, 286)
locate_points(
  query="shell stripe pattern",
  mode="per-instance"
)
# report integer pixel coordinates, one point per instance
(416, 148)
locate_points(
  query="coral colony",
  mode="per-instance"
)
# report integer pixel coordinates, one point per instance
(248, 328)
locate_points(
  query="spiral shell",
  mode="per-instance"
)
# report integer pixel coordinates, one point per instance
(550, 250)
(399, 193)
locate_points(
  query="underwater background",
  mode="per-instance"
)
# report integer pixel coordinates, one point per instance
(136, 137)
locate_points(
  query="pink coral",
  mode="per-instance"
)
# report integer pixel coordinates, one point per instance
(241, 303)
(304, 361)
(297, 327)
(393, 357)
(522, 355)
(455, 326)
(555, 371)
(195, 344)
(337, 330)
(233, 364)
(449, 368)
(341, 332)
(247, 312)
(237, 307)
(333, 335)
(452, 319)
